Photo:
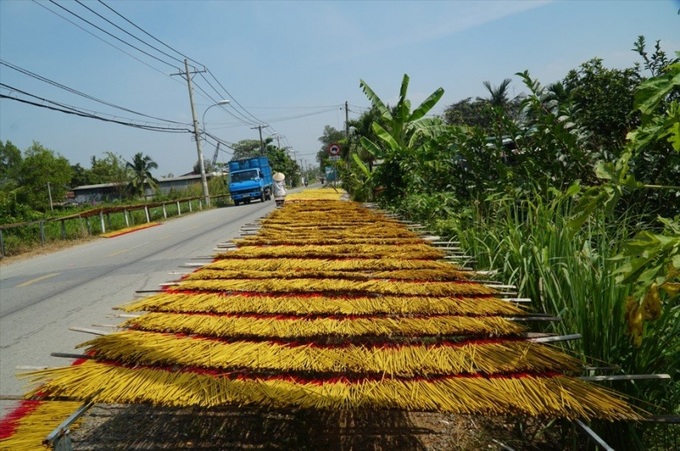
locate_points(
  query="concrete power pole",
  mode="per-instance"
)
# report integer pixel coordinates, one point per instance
(197, 132)
(259, 127)
(49, 193)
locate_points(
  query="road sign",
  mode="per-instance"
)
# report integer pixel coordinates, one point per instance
(334, 149)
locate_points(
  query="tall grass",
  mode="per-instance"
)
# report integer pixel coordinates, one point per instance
(18, 240)
(572, 274)
(564, 273)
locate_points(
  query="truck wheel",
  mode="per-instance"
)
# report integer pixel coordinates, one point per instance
(236, 203)
(263, 197)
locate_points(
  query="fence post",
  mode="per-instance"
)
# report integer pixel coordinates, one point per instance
(127, 219)
(165, 213)
(179, 211)
(191, 207)
(89, 226)
(200, 204)
(146, 209)
(42, 232)
(63, 229)
(2, 245)
(101, 219)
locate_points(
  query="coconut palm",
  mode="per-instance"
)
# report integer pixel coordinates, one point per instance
(499, 94)
(141, 166)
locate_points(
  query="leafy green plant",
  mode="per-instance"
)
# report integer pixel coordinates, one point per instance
(577, 276)
(401, 133)
(651, 262)
(428, 207)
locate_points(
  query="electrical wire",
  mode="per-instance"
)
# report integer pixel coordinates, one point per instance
(236, 110)
(257, 120)
(243, 118)
(79, 93)
(288, 118)
(69, 109)
(219, 140)
(109, 34)
(147, 33)
(358, 109)
(102, 39)
(127, 32)
(90, 116)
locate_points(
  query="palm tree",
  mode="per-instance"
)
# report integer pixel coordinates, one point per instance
(141, 167)
(499, 94)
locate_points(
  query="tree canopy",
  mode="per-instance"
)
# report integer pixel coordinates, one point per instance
(42, 167)
(246, 148)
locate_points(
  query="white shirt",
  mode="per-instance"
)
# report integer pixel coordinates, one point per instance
(279, 189)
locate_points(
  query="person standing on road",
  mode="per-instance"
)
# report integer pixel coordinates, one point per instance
(279, 188)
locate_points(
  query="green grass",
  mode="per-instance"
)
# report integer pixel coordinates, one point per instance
(572, 275)
(23, 239)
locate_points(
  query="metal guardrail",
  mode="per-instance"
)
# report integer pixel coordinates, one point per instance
(103, 215)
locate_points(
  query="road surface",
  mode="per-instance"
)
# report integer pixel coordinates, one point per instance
(41, 297)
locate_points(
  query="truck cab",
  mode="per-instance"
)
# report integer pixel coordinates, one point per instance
(250, 179)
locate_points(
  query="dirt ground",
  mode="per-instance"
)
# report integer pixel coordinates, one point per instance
(117, 427)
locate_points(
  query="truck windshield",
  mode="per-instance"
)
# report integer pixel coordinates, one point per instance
(244, 176)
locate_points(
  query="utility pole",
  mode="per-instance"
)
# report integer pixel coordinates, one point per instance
(259, 127)
(197, 131)
(49, 193)
(346, 120)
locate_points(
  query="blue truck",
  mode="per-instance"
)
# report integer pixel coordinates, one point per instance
(250, 178)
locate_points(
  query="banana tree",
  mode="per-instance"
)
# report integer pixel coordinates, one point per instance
(400, 133)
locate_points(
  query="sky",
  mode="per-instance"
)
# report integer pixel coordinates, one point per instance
(288, 68)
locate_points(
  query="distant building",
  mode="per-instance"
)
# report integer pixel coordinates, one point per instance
(109, 192)
(94, 194)
(179, 183)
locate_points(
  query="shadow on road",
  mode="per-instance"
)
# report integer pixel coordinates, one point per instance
(143, 428)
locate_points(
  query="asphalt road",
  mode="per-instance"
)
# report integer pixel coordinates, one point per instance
(41, 297)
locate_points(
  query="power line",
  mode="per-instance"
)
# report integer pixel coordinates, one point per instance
(102, 39)
(91, 116)
(362, 109)
(125, 31)
(288, 118)
(242, 115)
(315, 107)
(109, 34)
(243, 118)
(236, 109)
(79, 93)
(219, 140)
(69, 109)
(148, 34)
(257, 120)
